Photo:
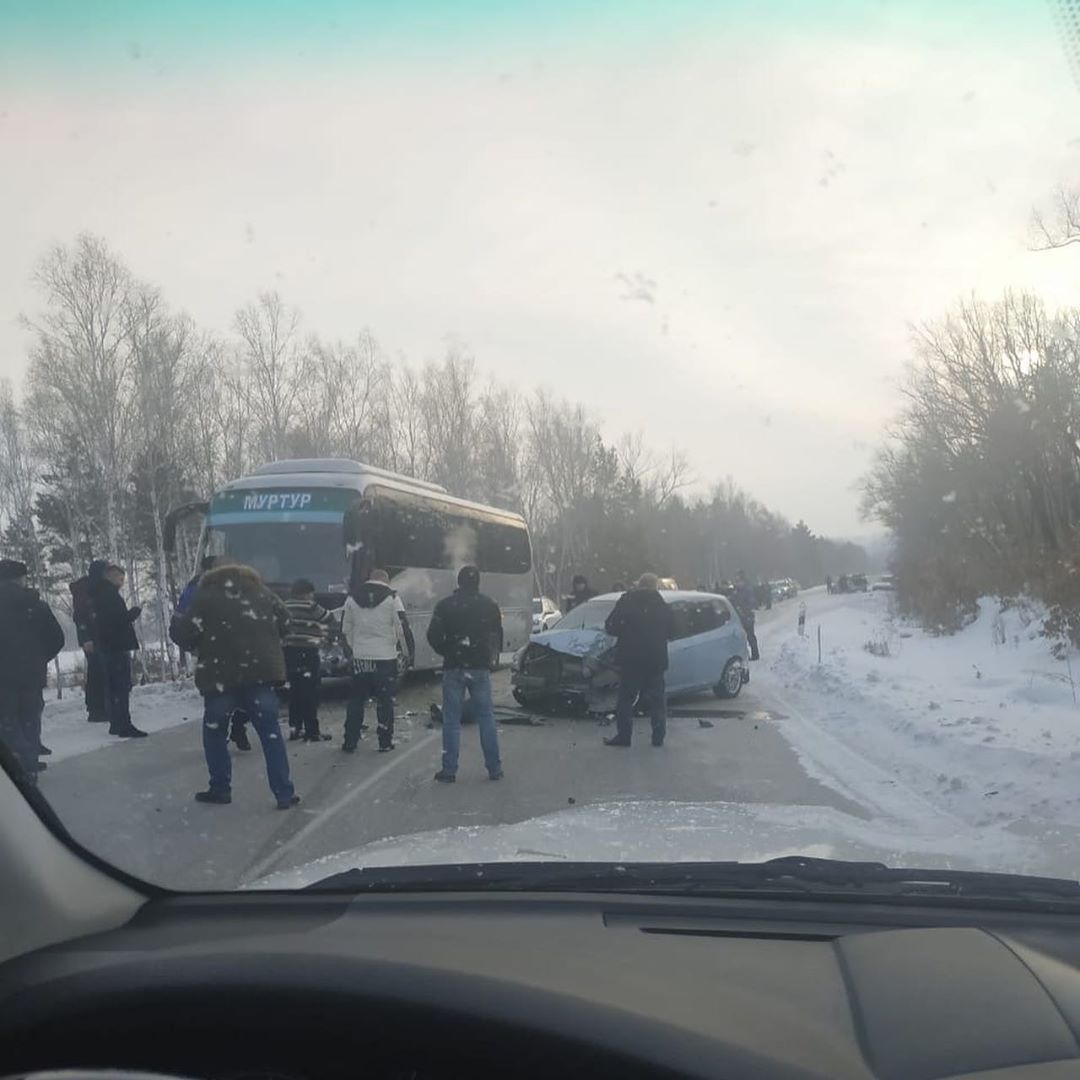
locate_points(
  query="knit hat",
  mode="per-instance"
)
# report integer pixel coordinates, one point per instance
(469, 578)
(10, 569)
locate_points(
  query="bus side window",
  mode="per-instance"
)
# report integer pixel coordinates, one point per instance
(504, 549)
(408, 535)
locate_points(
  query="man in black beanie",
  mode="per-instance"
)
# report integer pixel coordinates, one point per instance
(466, 631)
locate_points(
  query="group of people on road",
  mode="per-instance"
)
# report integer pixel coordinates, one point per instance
(31, 638)
(247, 642)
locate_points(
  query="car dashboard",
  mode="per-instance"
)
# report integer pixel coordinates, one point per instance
(316, 987)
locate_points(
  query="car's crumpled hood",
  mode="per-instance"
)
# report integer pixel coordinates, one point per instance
(575, 642)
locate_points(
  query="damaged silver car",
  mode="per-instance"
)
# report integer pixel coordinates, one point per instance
(573, 665)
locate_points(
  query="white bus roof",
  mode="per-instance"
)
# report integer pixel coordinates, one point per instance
(339, 466)
(342, 473)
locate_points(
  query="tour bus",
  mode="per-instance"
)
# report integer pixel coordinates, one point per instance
(332, 520)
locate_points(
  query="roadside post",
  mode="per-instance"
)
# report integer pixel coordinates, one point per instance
(819, 644)
(802, 619)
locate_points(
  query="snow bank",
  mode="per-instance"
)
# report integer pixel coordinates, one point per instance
(67, 732)
(981, 729)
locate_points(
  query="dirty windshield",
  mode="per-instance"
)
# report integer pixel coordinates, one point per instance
(362, 364)
(590, 616)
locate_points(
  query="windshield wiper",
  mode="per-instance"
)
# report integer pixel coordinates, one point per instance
(792, 875)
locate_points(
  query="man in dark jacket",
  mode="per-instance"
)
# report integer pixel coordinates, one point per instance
(82, 613)
(466, 631)
(235, 626)
(744, 602)
(580, 592)
(30, 637)
(114, 641)
(183, 606)
(642, 626)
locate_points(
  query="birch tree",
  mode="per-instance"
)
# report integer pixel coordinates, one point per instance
(274, 369)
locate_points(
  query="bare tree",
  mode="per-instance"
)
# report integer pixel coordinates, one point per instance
(165, 376)
(562, 445)
(340, 404)
(80, 365)
(1059, 224)
(500, 447)
(448, 408)
(18, 477)
(407, 436)
(670, 476)
(274, 368)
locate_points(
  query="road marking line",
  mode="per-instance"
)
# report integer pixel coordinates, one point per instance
(261, 868)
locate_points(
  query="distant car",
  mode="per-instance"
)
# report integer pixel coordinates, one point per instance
(544, 614)
(574, 664)
(849, 583)
(885, 583)
(783, 589)
(668, 584)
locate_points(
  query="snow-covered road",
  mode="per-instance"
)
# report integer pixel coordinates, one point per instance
(951, 752)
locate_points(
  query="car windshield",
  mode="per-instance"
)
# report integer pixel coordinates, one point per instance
(588, 616)
(343, 346)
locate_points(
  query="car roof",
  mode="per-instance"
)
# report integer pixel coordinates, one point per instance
(669, 595)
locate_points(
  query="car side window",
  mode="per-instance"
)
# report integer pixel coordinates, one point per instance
(682, 620)
(723, 611)
(703, 617)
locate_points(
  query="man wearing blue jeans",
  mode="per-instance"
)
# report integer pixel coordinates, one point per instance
(466, 631)
(260, 705)
(235, 626)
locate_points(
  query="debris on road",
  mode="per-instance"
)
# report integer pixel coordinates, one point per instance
(514, 716)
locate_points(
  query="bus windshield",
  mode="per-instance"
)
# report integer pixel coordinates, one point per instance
(283, 551)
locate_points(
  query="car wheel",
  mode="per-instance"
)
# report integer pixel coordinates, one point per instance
(731, 682)
(522, 698)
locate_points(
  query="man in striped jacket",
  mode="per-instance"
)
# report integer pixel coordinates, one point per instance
(308, 626)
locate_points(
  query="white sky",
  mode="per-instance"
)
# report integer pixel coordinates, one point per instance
(721, 243)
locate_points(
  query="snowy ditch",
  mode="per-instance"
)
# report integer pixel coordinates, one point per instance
(977, 734)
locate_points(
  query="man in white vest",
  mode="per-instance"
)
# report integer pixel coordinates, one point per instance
(375, 626)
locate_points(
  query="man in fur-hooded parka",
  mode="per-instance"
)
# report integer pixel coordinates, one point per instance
(235, 626)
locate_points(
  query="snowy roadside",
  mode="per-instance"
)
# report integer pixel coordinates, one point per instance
(154, 707)
(980, 728)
